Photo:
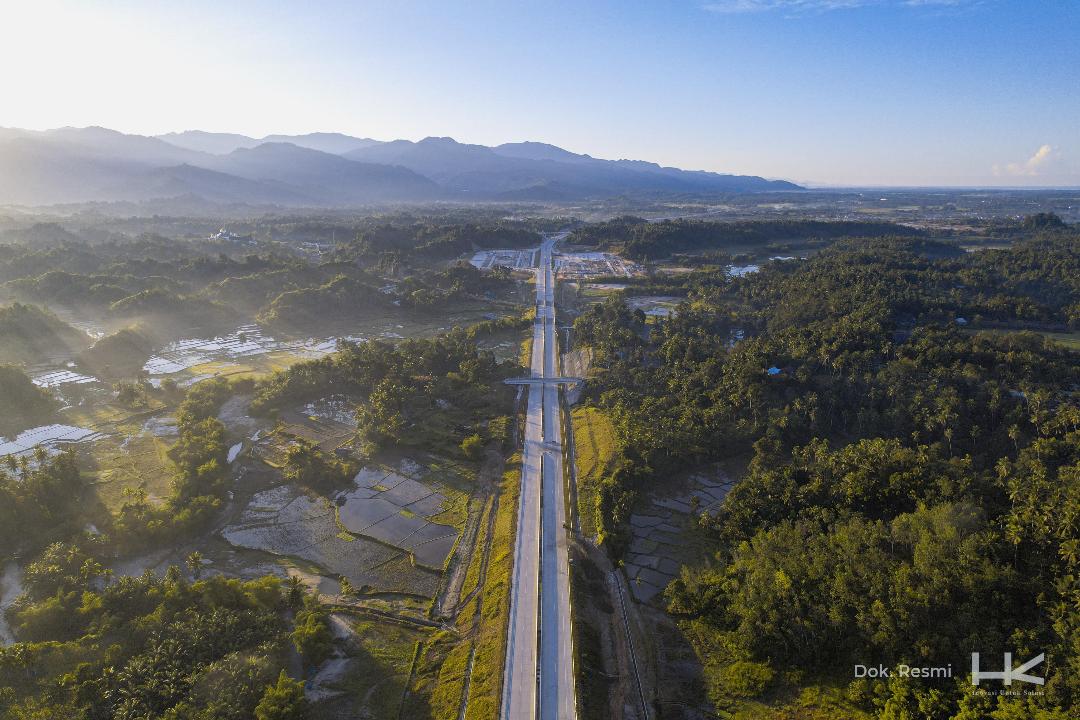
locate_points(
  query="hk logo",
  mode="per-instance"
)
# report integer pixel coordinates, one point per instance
(1009, 673)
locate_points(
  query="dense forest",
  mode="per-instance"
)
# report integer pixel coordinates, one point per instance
(641, 240)
(426, 393)
(913, 490)
(396, 266)
(93, 645)
(165, 647)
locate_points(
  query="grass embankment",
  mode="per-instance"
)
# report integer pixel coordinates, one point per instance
(525, 356)
(472, 574)
(482, 634)
(453, 667)
(595, 449)
(485, 691)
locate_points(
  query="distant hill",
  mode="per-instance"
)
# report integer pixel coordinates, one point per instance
(95, 165)
(121, 354)
(40, 235)
(196, 168)
(324, 142)
(23, 403)
(30, 335)
(326, 178)
(209, 142)
(224, 143)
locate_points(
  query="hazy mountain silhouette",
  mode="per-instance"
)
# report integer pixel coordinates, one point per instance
(330, 179)
(222, 143)
(209, 142)
(515, 167)
(74, 165)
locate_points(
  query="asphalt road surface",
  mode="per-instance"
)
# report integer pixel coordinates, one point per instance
(539, 673)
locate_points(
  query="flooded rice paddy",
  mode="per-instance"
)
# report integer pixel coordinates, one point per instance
(377, 534)
(245, 341)
(50, 437)
(56, 378)
(394, 509)
(743, 270)
(287, 522)
(336, 408)
(658, 547)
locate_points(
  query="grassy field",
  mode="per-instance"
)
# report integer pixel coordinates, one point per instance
(454, 659)
(525, 354)
(595, 447)
(450, 676)
(381, 668)
(1070, 340)
(133, 462)
(97, 411)
(472, 575)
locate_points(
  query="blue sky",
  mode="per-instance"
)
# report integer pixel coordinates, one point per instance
(879, 92)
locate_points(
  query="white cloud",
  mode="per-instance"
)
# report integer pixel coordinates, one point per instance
(1029, 167)
(796, 6)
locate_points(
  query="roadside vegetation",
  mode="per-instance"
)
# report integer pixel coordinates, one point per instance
(485, 691)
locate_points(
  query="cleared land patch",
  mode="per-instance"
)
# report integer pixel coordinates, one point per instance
(594, 447)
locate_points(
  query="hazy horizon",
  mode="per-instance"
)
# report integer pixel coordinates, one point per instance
(858, 93)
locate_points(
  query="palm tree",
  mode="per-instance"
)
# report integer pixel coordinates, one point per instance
(194, 564)
(294, 591)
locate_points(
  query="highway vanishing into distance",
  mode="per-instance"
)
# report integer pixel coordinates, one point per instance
(538, 680)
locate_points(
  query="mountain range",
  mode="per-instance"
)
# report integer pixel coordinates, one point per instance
(79, 165)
